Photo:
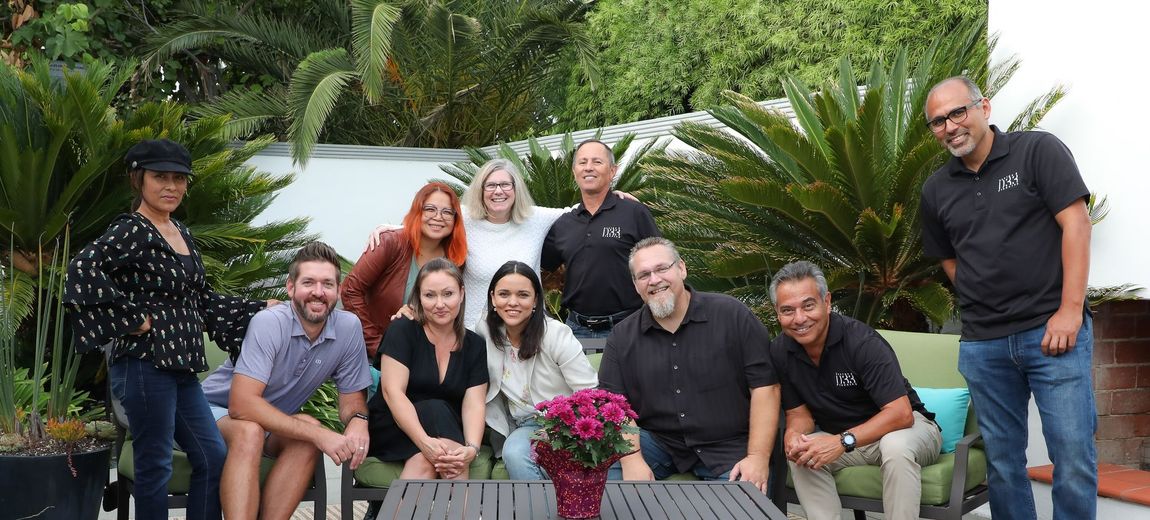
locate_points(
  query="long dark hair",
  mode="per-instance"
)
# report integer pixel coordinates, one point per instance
(436, 265)
(532, 338)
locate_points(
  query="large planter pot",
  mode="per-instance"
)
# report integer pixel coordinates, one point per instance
(42, 487)
(578, 489)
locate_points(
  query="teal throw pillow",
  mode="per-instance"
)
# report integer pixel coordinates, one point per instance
(949, 406)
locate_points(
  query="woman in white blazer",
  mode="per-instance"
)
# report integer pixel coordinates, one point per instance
(531, 358)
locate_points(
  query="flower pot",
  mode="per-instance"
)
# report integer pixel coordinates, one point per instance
(42, 486)
(578, 489)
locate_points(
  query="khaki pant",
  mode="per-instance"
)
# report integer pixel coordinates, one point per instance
(900, 453)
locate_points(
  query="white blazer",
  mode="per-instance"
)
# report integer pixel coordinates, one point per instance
(560, 368)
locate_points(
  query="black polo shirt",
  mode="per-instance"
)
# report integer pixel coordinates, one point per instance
(857, 375)
(998, 223)
(692, 389)
(595, 249)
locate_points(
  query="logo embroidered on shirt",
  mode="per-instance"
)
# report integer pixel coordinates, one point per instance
(612, 232)
(845, 379)
(1010, 181)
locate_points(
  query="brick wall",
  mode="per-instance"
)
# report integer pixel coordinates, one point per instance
(1122, 380)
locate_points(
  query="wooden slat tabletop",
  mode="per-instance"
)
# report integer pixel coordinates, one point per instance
(535, 500)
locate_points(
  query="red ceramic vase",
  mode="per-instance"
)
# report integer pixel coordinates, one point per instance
(578, 489)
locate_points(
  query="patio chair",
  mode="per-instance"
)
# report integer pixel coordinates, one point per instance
(953, 485)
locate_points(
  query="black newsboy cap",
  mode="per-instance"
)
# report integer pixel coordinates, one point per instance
(160, 155)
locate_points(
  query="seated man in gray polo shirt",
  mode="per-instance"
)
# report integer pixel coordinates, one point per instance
(289, 351)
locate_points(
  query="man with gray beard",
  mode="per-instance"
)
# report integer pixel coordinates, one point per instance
(696, 370)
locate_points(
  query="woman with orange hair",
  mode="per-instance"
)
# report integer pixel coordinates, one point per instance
(382, 278)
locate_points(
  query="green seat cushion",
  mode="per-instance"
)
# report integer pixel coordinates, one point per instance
(866, 481)
(683, 476)
(181, 469)
(499, 470)
(379, 474)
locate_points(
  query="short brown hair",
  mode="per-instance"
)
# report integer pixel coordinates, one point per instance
(315, 251)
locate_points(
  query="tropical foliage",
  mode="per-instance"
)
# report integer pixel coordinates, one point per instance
(61, 150)
(664, 57)
(444, 73)
(837, 185)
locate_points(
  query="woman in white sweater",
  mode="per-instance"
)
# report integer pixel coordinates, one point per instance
(502, 224)
(531, 358)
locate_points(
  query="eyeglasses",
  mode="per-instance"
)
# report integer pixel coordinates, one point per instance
(955, 116)
(645, 276)
(431, 211)
(505, 186)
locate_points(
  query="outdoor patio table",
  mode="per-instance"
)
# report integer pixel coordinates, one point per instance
(535, 500)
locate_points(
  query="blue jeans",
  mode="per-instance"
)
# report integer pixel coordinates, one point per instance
(1002, 373)
(582, 331)
(661, 463)
(165, 407)
(517, 453)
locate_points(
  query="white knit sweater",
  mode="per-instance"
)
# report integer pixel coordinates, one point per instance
(491, 245)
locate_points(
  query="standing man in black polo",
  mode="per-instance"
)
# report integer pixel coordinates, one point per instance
(846, 400)
(593, 241)
(1007, 217)
(695, 368)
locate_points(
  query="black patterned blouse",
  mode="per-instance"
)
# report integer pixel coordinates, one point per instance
(130, 273)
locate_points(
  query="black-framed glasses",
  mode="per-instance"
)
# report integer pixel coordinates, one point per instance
(505, 186)
(955, 116)
(430, 211)
(645, 276)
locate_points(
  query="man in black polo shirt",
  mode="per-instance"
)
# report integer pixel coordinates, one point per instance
(593, 241)
(846, 400)
(1007, 217)
(695, 368)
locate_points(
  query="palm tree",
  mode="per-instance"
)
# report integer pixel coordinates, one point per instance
(838, 186)
(444, 73)
(62, 145)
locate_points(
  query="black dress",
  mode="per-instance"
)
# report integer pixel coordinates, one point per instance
(438, 405)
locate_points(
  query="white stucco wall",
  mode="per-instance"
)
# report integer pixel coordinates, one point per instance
(1097, 51)
(348, 190)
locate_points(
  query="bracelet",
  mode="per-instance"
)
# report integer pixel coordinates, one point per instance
(358, 416)
(474, 447)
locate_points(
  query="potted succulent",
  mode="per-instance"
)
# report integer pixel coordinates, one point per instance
(581, 436)
(53, 460)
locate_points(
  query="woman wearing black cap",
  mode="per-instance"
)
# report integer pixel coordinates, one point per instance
(141, 286)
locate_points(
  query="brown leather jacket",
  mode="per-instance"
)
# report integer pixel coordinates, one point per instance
(374, 288)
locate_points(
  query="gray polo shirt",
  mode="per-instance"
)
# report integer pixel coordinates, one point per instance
(277, 352)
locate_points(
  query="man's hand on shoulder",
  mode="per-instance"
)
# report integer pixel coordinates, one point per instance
(754, 468)
(1061, 332)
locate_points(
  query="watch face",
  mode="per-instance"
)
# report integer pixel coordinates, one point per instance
(848, 439)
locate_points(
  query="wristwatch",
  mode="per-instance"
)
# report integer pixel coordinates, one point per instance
(358, 416)
(848, 440)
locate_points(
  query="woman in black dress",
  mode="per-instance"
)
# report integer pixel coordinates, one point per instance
(141, 286)
(429, 412)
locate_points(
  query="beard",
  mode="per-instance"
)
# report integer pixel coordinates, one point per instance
(302, 311)
(963, 150)
(662, 305)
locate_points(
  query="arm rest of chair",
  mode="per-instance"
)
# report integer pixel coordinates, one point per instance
(961, 461)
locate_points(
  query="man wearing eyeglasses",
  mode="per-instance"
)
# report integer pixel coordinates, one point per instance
(1007, 217)
(695, 367)
(592, 241)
